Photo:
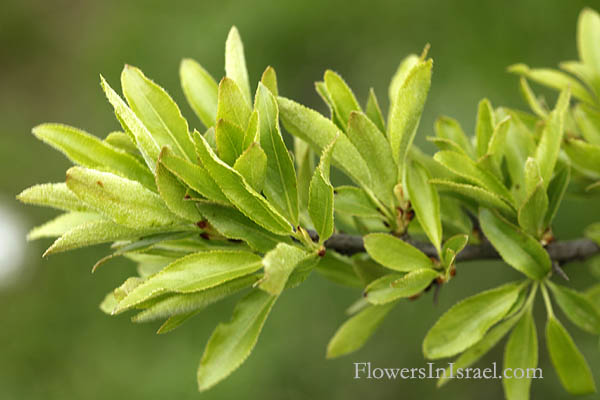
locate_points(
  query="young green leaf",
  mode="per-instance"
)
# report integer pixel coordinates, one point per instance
(320, 196)
(235, 62)
(232, 224)
(449, 128)
(175, 322)
(354, 201)
(406, 109)
(373, 111)
(466, 322)
(269, 80)
(463, 166)
(452, 247)
(549, 145)
(124, 142)
(144, 140)
(354, 333)
(339, 269)
(425, 201)
(252, 133)
(200, 90)
(173, 192)
(124, 201)
(231, 343)
(584, 157)
(521, 352)
(230, 141)
(577, 307)
(231, 104)
(252, 165)
(237, 190)
(518, 249)
(89, 151)
(532, 212)
(305, 164)
(62, 224)
(193, 273)
(319, 132)
(279, 264)
(536, 106)
(394, 253)
(322, 91)
(195, 176)
(55, 195)
(481, 196)
(280, 184)
(157, 111)
(484, 127)
(481, 348)
(401, 74)
(588, 37)
(395, 286)
(344, 101)
(570, 365)
(588, 122)
(375, 150)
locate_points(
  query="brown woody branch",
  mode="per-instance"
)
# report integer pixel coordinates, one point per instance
(559, 251)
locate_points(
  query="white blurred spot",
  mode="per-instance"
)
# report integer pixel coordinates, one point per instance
(12, 245)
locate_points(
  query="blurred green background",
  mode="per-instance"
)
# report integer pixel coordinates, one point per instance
(56, 344)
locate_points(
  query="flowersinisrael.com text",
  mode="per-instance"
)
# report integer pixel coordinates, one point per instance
(364, 370)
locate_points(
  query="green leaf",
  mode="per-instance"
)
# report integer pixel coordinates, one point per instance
(89, 151)
(554, 79)
(466, 322)
(157, 111)
(232, 105)
(279, 264)
(322, 91)
(518, 249)
(354, 201)
(173, 193)
(252, 133)
(577, 307)
(124, 142)
(588, 121)
(406, 109)
(319, 132)
(62, 224)
(195, 176)
(425, 201)
(235, 62)
(584, 157)
(373, 111)
(320, 196)
(394, 253)
(230, 141)
(175, 322)
(395, 286)
(55, 195)
(521, 352)
(193, 273)
(339, 269)
(481, 348)
(354, 333)
(234, 225)
(305, 164)
(570, 365)
(231, 343)
(200, 90)
(484, 127)
(401, 74)
(466, 168)
(269, 80)
(556, 190)
(449, 128)
(547, 151)
(452, 247)
(375, 150)
(532, 212)
(252, 165)
(96, 232)
(481, 196)
(588, 37)
(344, 101)
(233, 185)
(124, 201)
(534, 103)
(280, 184)
(145, 142)
(181, 304)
